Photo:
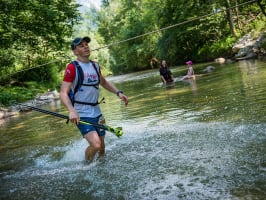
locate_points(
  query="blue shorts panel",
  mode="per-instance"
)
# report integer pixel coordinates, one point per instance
(86, 128)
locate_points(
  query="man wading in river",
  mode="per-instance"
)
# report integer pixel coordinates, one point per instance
(85, 105)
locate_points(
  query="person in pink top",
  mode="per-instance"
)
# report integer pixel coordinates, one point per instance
(190, 72)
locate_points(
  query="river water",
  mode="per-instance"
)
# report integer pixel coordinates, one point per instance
(202, 139)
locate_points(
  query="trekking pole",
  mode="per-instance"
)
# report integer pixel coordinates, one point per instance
(117, 131)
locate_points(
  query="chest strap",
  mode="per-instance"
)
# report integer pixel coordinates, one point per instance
(90, 104)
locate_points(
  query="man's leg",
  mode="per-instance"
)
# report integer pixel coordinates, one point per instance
(102, 150)
(94, 145)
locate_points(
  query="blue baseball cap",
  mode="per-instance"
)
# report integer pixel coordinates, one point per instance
(78, 40)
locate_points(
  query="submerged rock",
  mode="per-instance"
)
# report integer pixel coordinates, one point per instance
(209, 69)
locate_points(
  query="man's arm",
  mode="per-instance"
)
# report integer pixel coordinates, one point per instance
(73, 115)
(110, 87)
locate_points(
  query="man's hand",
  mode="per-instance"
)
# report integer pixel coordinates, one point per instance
(74, 117)
(123, 98)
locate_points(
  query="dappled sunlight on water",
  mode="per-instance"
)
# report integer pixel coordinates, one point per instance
(200, 140)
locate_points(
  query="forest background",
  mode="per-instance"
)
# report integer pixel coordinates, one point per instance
(126, 35)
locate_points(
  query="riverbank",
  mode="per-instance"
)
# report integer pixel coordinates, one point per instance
(40, 99)
(247, 47)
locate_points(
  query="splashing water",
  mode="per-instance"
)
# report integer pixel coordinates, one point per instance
(177, 144)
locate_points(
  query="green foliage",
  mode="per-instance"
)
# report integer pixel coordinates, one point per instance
(7, 59)
(201, 32)
(33, 22)
(11, 94)
(128, 20)
(259, 26)
(216, 49)
(88, 27)
(43, 73)
(32, 33)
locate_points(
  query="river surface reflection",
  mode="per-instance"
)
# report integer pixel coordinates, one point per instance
(197, 139)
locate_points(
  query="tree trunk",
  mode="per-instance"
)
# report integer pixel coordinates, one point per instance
(230, 18)
(237, 15)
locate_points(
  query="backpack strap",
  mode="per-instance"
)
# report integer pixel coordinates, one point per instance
(80, 75)
(94, 66)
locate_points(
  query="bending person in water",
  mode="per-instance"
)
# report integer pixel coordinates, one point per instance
(165, 73)
(190, 72)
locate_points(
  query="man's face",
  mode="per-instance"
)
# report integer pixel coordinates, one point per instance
(82, 49)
